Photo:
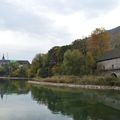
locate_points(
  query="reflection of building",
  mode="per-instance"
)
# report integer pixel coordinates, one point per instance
(4, 62)
(2, 94)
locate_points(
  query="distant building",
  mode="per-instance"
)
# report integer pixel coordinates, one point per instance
(4, 62)
(110, 62)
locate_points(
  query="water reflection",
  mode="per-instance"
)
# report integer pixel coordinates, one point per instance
(80, 104)
(17, 104)
(11, 86)
(19, 101)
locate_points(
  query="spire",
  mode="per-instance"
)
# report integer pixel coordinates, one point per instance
(3, 58)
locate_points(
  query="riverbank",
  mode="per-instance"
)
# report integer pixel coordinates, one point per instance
(82, 80)
(96, 87)
(14, 78)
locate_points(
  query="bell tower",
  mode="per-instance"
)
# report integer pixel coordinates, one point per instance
(3, 58)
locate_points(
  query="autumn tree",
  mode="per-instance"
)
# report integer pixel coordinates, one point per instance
(100, 42)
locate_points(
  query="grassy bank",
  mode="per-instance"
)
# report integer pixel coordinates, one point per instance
(84, 80)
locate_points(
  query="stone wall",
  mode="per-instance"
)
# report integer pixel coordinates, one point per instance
(110, 66)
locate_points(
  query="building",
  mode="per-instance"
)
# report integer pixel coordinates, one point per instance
(110, 62)
(4, 62)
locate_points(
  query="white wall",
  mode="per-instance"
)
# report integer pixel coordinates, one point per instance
(107, 65)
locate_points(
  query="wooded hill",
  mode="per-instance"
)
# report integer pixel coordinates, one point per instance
(115, 37)
(78, 58)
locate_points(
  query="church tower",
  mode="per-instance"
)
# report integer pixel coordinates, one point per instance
(3, 58)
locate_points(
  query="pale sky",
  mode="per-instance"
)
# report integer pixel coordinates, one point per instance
(28, 27)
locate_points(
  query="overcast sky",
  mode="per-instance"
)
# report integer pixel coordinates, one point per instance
(28, 27)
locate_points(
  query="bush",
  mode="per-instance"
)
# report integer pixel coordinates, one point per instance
(99, 80)
(85, 80)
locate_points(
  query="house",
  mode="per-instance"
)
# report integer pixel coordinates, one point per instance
(110, 62)
(4, 62)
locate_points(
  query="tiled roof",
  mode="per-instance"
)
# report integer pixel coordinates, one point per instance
(23, 62)
(18, 61)
(115, 53)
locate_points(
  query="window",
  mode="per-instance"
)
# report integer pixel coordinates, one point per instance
(112, 66)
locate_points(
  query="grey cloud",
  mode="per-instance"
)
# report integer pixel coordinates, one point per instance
(24, 21)
(14, 19)
(90, 8)
(69, 6)
(42, 28)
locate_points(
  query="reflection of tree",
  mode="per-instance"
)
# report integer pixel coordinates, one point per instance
(80, 105)
(8, 87)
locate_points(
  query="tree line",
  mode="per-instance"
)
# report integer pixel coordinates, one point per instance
(78, 58)
(14, 69)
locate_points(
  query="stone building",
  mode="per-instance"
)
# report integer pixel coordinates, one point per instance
(4, 62)
(110, 62)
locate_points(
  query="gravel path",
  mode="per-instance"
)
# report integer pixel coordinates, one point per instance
(76, 86)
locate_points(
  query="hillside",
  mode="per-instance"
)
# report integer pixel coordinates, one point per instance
(115, 36)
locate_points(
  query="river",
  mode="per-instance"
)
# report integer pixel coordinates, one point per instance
(21, 101)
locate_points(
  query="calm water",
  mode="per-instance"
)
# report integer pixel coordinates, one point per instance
(19, 101)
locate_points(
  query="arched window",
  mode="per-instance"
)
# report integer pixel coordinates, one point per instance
(114, 74)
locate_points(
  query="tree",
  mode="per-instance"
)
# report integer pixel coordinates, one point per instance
(39, 66)
(82, 45)
(100, 42)
(90, 63)
(73, 62)
(3, 71)
(55, 59)
(56, 70)
(36, 63)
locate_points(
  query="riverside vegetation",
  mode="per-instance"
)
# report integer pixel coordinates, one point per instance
(75, 63)
(14, 69)
(78, 58)
(83, 80)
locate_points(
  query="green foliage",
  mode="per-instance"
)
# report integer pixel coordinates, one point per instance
(82, 45)
(39, 66)
(57, 69)
(3, 71)
(77, 58)
(73, 59)
(19, 71)
(14, 69)
(90, 63)
(36, 63)
(55, 58)
(73, 62)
